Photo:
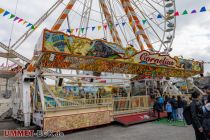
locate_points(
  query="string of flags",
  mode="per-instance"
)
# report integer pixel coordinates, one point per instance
(6, 13)
(144, 21)
(27, 24)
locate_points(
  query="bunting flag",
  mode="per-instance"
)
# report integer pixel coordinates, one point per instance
(193, 11)
(203, 9)
(105, 27)
(16, 18)
(1, 10)
(185, 12)
(82, 30)
(29, 24)
(68, 30)
(144, 21)
(20, 20)
(176, 13)
(6, 13)
(159, 16)
(32, 27)
(25, 22)
(99, 28)
(72, 30)
(11, 16)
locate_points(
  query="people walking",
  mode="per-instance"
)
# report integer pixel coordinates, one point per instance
(180, 108)
(169, 111)
(197, 116)
(174, 108)
(157, 107)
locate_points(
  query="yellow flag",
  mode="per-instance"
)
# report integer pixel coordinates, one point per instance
(72, 30)
(130, 23)
(1, 10)
(24, 22)
(99, 28)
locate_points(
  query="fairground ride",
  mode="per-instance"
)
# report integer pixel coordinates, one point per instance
(132, 42)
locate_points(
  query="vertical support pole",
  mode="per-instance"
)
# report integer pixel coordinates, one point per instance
(26, 100)
(63, 16)
(41, 93)
(110, 21)
(133, 24)
(141, 30)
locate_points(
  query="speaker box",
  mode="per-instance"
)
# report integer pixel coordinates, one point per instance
(91, 80)
(60, 82)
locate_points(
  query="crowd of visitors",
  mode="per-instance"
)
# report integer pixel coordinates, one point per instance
(199, 108)
(172, 105)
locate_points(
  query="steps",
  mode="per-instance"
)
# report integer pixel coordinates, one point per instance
(135, 118)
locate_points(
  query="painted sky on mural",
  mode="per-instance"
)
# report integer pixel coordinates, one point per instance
(192, 33)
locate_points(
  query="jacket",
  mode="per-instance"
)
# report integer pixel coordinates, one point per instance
(197, 113)
(157, 106)
(168, 107)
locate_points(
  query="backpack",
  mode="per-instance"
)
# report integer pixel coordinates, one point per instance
(187, 115)
(161, 101)
(174, 104)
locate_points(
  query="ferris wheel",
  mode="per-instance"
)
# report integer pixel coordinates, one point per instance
(144, 24)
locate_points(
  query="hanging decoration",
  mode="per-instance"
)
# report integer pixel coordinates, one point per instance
(144, 21)
(27, 24)
(6, 13)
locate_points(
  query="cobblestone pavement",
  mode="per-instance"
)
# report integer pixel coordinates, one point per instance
(145, 131)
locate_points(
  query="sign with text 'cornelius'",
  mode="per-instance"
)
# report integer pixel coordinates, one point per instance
(145, 57)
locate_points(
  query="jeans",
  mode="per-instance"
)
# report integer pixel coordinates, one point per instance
(180, 113)
(174, 114)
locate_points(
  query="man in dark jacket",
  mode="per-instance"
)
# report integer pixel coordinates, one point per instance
(157, 107)
(207, 92)
(197, 116)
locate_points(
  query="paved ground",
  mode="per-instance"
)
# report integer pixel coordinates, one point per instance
(146, 131)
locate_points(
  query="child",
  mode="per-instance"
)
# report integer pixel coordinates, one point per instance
(169, 110)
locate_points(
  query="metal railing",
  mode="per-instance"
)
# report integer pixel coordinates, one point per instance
(80, 103)
(129, 105)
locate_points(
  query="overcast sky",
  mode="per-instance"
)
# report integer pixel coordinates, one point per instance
(192, 38)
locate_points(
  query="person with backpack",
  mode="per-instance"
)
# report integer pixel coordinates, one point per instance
(161, 102)
(197, 116)
(180, 106)
(174, 108)
(157, 107)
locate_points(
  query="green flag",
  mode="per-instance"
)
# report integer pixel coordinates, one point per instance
(185, 12)
(144, 21)
(11, 16)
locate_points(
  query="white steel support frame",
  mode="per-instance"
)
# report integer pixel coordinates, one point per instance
(110, 21)
(51, 93)
(26, 100)
(41, 92)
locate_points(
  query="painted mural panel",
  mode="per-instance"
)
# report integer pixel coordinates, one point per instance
(76, 121)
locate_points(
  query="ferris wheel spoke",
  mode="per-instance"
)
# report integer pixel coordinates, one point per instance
(151, 26)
